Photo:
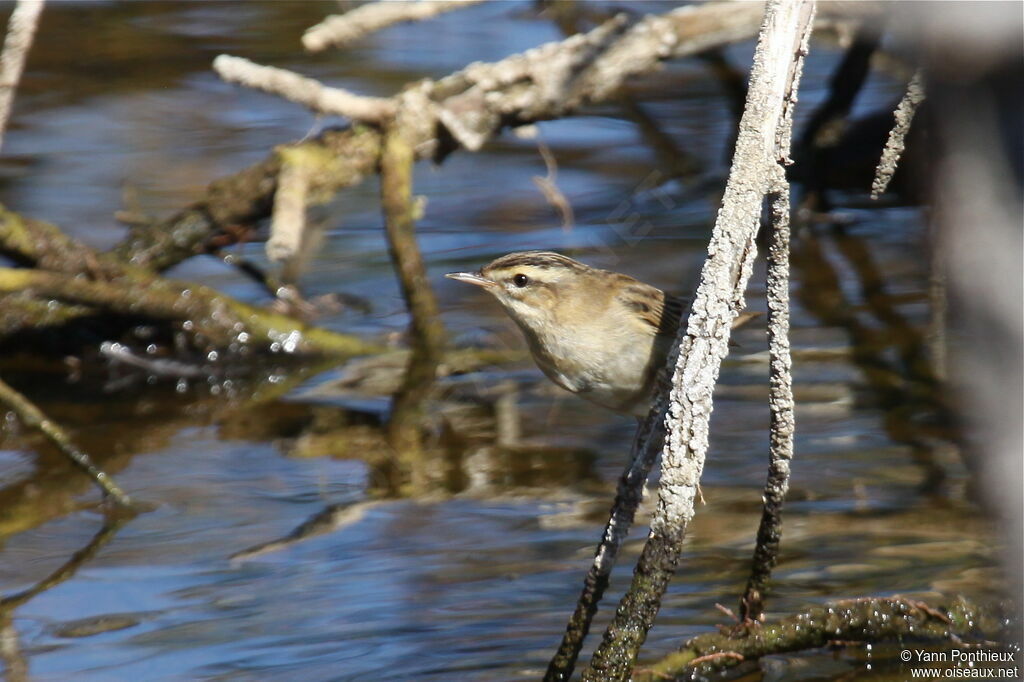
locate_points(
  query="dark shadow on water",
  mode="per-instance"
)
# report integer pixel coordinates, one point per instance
(890, 352)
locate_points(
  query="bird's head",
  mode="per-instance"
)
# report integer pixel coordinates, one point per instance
(530, 284)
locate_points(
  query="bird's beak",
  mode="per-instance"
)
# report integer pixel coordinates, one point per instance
(472, 278)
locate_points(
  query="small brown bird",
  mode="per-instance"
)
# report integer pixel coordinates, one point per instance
(599, 334)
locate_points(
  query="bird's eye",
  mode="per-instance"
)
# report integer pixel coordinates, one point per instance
(520, 280)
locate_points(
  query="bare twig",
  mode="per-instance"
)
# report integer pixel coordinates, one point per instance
(763, 141)
(32, 417)
(339, 30)
(288, 221)
(308, 92)
(706, 658)
(120, 354)
(548, 186)
(21, 29)
(904, 115)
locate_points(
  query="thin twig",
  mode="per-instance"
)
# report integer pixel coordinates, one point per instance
(32, 417)
(548, 186)
(288, 220)
(339, 30)
(904, 115)
(727, 611)
(21, 29)
(715, 656)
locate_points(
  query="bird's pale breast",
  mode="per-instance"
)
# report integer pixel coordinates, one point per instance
(601, 355)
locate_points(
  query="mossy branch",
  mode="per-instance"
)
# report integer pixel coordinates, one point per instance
(855, 620)
(74, 274)
(215, 318)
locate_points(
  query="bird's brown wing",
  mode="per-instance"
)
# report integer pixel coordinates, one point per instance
(671, 313)
(664, 312)
(654, 307)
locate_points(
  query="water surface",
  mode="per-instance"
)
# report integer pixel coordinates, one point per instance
(474, 577)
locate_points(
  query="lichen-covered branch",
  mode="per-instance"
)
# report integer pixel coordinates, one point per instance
(477, 103)
(782, 422)
(339, 30)
(904, 115)
(32, 417)
(21, 30)
(72, 273)
(762, 143)
(308, 92)
(44, 246)
(474, 105)
(854, 620)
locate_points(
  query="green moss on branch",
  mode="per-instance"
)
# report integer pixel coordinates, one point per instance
(873, 619)
(218, 319)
